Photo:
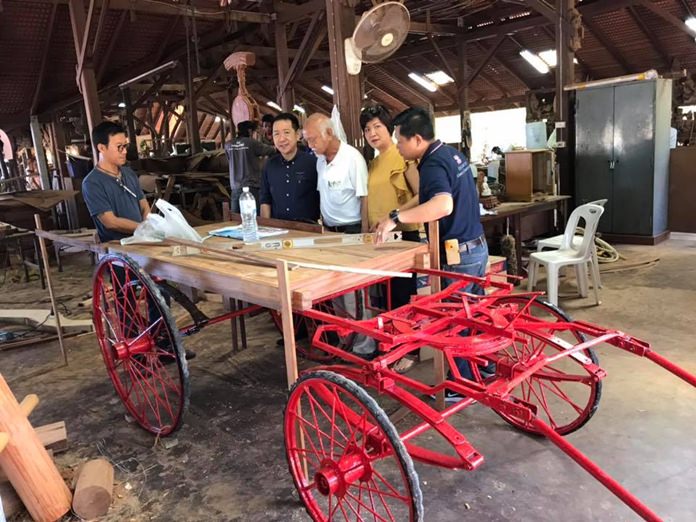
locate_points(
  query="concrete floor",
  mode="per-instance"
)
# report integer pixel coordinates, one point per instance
(228, 462)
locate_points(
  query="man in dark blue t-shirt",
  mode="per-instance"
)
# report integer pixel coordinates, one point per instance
(111, 190)
(289, 180)
(117, 205)
(447, 194)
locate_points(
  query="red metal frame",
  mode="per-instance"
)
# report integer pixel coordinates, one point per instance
(440, 321)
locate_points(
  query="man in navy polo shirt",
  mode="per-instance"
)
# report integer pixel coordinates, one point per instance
(447, 194)
(289, 180)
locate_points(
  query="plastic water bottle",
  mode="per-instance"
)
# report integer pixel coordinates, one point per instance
(247, 208)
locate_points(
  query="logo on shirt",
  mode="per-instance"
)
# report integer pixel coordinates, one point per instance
(335, 184)
(457, 159)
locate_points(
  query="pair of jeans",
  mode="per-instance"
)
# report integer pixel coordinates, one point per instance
(473, 262)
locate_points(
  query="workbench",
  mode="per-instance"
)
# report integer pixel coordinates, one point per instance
(513, 214)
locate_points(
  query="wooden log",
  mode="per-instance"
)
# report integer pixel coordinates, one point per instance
(11, 503)
(94, 489)
(27, 464)
(29, 403)
(3, 477)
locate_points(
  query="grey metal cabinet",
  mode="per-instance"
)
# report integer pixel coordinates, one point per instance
(622, 154)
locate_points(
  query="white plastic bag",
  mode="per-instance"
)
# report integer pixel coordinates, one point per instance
(337, 125)
(157, 227)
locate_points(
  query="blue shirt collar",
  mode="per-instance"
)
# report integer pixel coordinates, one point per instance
(432, 148)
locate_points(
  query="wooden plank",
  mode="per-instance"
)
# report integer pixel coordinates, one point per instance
(53, 436)
(288, 327)
(435, 286)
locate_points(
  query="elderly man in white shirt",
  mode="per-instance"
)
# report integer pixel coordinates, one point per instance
(342, 185)
(341, 177)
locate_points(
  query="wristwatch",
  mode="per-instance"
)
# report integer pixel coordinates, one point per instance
(394, 216)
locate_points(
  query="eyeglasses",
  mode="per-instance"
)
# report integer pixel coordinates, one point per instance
(121, 148)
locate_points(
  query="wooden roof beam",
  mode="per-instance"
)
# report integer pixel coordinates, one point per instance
(668, 17)
(487, 58)
(105, 59)
(44, 60)
(507, 66)
(310, 43)
(174, 9)
(288, 13)
(651, 36)
(609, 46)
(412, 91)
(313, 97)
(386, 96)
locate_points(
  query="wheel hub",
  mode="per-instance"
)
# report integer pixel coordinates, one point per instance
(125, 349)
(335, 477)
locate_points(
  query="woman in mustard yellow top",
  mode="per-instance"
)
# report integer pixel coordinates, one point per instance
(391, 184)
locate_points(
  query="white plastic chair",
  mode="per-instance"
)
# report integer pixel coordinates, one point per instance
(556, 241)
(569, 255)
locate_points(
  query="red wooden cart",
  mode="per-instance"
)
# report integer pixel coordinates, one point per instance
(528, 361)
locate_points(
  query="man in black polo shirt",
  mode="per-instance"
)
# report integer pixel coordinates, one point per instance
(447, 194)
(289, 180)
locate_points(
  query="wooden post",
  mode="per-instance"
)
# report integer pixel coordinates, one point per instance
(288, 327)
(286, 97)
(130, 124)
(565, 75)
(462, 84)
(54, 308)
(37, 138)
(193, 134)
(87, 80)
(348, 89)
(28, 465)
(436, 286)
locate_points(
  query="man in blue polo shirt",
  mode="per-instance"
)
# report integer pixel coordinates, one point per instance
(117, 205)
(289, 180)
(447, 194)
(111, 190)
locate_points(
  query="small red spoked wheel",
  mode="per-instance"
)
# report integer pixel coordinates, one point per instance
(345, 456)
(140, 345)
(565, 392)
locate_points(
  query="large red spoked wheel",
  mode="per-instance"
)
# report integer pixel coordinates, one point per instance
(345, 456)
(565, 392)
(140, 345)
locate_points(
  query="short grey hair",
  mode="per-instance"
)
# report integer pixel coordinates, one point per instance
(322, 122)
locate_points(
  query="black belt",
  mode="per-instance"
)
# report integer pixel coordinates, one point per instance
(342, 228)
(466, 246)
